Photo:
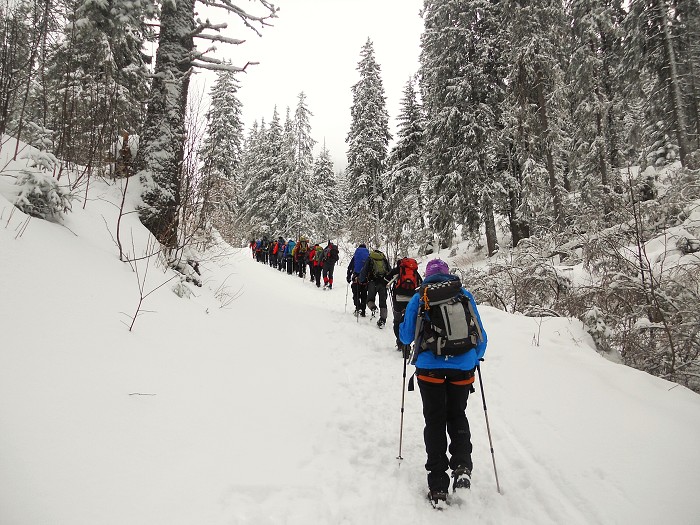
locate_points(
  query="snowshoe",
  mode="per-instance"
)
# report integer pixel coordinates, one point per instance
(438, 499)
(381, 323)
(461, 478)
(363, 313)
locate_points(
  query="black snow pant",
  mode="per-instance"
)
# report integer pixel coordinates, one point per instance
(399, 304)
(374, 288)
(359, 296)
(444, 393)
(301, 265)
(290, 264)
(316, 274)
(328, 268)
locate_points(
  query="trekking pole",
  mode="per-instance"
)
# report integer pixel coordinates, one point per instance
(347, 289)
(488, 428)
(403, 397)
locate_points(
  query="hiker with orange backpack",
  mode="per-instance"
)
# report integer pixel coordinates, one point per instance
(450, 340)
(404, 280)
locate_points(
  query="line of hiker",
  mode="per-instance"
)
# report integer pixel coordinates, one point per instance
(295, 257)
(373, 280)
(438, 317)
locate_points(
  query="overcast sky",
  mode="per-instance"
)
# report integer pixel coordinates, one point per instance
(314, 47)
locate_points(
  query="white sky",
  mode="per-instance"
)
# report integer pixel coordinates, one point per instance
(314, 47)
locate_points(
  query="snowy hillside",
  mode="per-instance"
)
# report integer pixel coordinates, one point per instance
(281, 408)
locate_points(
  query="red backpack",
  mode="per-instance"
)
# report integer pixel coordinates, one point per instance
(408, 275)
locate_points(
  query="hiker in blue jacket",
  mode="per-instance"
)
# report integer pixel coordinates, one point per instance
(289, 260)
(359, 291)
(445, 383)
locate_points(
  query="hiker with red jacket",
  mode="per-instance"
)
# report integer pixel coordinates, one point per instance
(274, 248)
(404, 280)
(330, 257)
(374, 274)
(316, 263)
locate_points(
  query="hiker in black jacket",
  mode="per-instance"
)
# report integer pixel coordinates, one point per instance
(330, 257)
(374, 275)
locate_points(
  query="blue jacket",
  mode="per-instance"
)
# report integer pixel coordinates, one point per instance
(428, 359)
(288, 249)
(357, 261)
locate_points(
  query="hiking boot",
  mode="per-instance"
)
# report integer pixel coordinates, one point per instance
(461, 478)
(437, 498)
(381, 323)
(363, 313)
(356, 313)
(330, 286)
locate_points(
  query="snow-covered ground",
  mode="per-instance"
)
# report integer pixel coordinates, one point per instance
(280, 408)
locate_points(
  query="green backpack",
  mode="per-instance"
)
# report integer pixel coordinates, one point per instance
(379, 266)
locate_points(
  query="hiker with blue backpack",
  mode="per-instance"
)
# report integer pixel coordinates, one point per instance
(359, 291)
(450, 340)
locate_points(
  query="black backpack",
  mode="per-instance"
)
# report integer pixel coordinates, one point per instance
(446, 323)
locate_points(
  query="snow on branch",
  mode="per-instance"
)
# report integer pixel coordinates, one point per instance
(217, 65)
(246, 17)
(220, 38)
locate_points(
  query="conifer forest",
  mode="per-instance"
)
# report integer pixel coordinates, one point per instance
(558, 139)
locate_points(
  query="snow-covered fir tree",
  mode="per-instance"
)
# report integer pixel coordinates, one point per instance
(305, 192)
(328, 209)
(96, 81)
(536, 105)
(404, 177)
(594, 91)
(220, 186)
(368, 142)
(461, 86)
(657, 31)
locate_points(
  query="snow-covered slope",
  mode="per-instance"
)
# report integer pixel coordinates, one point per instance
(281, 408)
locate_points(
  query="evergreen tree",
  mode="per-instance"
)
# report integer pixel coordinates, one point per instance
(97, 79)
(306, 192)
(462, 88)
(594, 104)
(405, 203)
(657, 30)
(536, 107)
(221, 151)
(368, 141)
(327, 206)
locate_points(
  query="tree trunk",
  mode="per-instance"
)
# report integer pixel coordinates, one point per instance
(490, 225)
(547, 142)
(160, 155)
(674, 88)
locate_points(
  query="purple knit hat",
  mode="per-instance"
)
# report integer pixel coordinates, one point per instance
(436, 266)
